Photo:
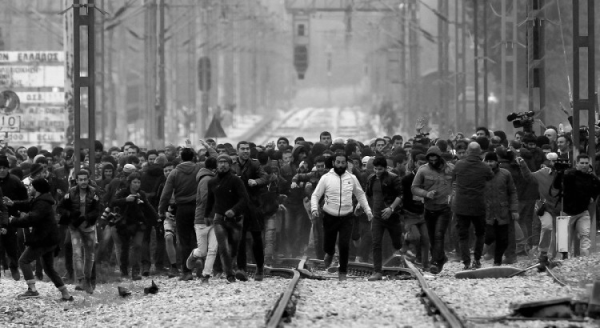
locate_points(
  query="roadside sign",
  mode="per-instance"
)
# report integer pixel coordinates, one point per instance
(10, 123)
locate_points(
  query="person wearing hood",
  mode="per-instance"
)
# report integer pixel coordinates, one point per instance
(468, 202)
(205, 233)
(502, 207)
(433, 182)
(182, 183)
(41, 238)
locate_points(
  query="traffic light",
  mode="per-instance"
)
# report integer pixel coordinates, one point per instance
(301, 60)
(204, 75)
(301, 42)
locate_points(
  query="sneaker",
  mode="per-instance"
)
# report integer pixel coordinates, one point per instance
(79, 286)
(29, 294)
(70, 299)
(259, 275)
(544, 262)
(241, 275)
(186, 276)
(87, 286)
(375, 276)
(146, 273)
(204, 279)
(476, 265)
(328, 260)
(343, 276)
(467, 266)
(230, 279)
(173, 272)
(191, 261)
(15, 274)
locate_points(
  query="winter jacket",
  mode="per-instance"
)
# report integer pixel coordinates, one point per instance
(500, 198)
(579, 188)
(527, 189)
(544, 178)
(14, 189)
(41, 220)
(391, 186)
(226, 193)
(111, 190)
(202, 178)
(411, 203)
(338, 191)
(251, 169)
(429, 179)
(71, 205)
(182, 182)
(151, 178)
(469, 178)
(136, 215)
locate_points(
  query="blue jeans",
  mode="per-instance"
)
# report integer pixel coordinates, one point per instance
(84, 254)
(437, 223)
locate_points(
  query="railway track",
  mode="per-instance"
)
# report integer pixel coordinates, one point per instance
(416, 289)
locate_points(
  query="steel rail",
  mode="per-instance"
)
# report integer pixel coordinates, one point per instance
(280, 306)
(447, 314)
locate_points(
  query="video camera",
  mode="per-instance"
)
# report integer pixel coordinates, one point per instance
(560, 164)
(522, 120)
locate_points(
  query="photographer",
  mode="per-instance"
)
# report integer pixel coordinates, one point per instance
(578, 189)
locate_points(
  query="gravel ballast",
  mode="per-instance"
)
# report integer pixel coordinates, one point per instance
(177, 304)
(360, 303)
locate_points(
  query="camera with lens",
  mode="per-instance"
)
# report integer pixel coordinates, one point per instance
(522, 120)
(560, 164)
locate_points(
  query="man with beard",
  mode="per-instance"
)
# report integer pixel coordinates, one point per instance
(227, 199)
(433, 182)
(338, 186)
(255, 180)
(500, 191)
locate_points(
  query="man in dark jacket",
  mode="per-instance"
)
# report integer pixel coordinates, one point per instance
(227, 198)
(81, 205)
(182, 183)
(469, 179)
(13, 190)
(579, 189)
(41, 239)
(384, 192)
(255, 180)
(501, 207)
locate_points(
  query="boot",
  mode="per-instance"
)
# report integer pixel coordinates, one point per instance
(173, 272)
(259, 275)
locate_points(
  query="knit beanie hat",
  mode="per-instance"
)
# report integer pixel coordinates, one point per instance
(224, 157)
(41, 185)
(490, 156)
(35, 169)
(4, 162)
(128, 168)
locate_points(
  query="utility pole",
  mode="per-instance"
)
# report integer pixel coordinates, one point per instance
(415, 69)
(83, 15)
(443, 62)
(149, 114)
(402, 63)
(535, 56)
(476, 59)
(69, 46)
(458, 57)
(579, 103)
(508, 55)
(161, 102)
(485, 63)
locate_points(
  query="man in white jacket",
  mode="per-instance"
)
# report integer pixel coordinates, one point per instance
(338, 186)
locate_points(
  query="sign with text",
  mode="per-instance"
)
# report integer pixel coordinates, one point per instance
(57, 98)
(10, 123)
(32, 56)
(32, 76)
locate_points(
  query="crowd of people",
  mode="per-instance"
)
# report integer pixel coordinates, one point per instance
(172, 211)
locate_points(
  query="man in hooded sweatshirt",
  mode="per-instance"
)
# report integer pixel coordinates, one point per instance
(182, 183)
(433, 182)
